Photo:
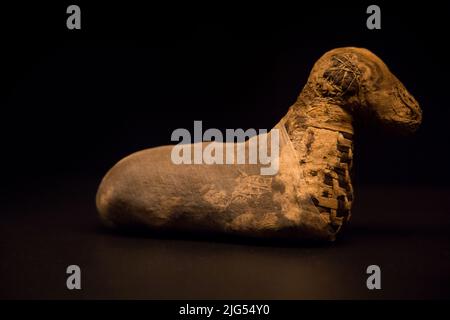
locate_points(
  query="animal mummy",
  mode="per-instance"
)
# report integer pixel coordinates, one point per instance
(311, 195)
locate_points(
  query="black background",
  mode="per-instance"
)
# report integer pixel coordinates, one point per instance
(74, 102)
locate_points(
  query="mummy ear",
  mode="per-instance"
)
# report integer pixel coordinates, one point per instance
(337, 76)
(342, 75)
(345, 72)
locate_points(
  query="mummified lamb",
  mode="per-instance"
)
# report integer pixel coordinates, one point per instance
(310, 197)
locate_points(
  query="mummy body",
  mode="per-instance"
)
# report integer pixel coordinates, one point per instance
(311, 195)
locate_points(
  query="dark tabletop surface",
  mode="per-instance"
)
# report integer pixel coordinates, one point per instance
(46, 227)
